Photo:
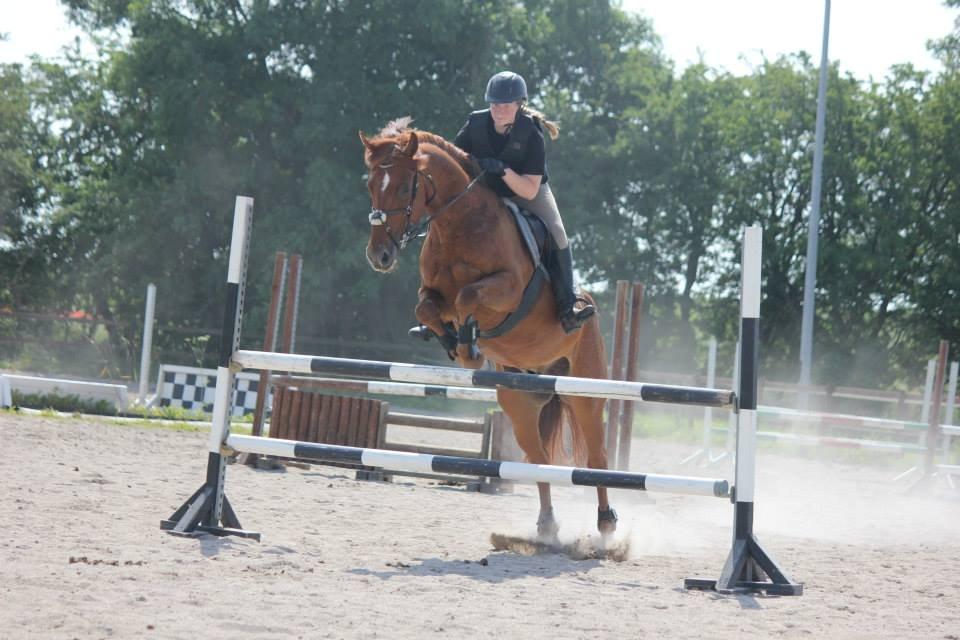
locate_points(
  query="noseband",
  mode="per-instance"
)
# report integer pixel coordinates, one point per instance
(378, 217)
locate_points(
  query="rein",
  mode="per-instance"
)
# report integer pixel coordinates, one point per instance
(378, 217)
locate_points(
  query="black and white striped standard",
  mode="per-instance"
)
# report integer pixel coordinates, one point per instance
(208, 509)
(515, 471)
(450, 376)
(748, 563)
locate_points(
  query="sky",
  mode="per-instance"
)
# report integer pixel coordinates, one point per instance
(866, 36)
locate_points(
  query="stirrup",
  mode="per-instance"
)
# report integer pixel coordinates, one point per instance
(422, 331)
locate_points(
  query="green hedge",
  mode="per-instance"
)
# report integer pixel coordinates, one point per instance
(67, 403)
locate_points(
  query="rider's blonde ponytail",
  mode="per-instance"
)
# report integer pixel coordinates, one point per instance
(553, 130)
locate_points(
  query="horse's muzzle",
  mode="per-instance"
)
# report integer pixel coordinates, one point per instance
(382, 258)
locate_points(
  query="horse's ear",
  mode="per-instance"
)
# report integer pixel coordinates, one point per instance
(365, 140)
(411, 147)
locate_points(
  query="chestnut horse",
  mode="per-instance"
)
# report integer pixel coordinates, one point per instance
(473, 263)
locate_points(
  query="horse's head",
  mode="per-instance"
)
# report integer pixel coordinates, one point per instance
(398, 196)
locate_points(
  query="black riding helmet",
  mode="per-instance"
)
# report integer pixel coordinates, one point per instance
(506, 86)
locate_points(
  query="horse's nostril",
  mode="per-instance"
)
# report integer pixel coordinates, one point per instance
(385, 258)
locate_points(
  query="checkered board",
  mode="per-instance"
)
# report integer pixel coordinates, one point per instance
(193, 388)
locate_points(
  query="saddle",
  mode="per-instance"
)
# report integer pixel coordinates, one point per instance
(534, 232)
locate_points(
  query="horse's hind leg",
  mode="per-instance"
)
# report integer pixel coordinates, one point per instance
(523, 409)
(588, 415)
(589, 361)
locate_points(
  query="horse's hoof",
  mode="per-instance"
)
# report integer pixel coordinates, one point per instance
(606, 521)
(547, 528)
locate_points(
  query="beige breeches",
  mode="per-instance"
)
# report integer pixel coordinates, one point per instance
(544, 206)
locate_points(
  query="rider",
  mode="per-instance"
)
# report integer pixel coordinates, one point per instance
(507, 141)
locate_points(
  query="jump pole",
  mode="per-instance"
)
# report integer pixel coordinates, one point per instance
(209, 511)
(374, 387)
(454, 377)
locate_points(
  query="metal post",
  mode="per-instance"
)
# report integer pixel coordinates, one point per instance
(704, 450)
(633, 358)
(292, 305)
(948, 414)
(270, 338)
(732, 418)
(147, 341)
(924, 417)
(616, 368)
(708, 412)
(928, 391)
(933, 430)
(813, 231)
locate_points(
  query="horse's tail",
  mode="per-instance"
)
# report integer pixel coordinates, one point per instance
(552, 417)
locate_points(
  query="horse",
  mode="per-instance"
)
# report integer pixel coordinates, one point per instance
(473, 268)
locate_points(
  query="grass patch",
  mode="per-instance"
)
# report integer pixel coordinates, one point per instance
(167, 413)
(68, 403)
(241, 426)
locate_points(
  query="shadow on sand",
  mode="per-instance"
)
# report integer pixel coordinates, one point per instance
(515, 557)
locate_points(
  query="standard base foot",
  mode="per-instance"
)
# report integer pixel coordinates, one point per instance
(747, 569)
(170, 527)
(195, 517)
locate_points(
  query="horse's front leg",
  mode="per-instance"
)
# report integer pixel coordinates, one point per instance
(524, 409)
(499, 292)
(429, 313)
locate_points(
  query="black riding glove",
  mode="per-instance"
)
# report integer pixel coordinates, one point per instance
(492, 166)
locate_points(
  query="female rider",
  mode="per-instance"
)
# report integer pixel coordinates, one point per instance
(507, 141)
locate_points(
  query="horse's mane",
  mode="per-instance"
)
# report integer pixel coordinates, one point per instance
(397, 133)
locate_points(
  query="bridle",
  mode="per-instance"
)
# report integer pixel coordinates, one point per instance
(378, 217)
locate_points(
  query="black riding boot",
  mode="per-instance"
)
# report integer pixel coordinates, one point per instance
(561, 278)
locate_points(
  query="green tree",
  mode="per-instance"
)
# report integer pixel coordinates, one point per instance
(28, 242)
(204, 100)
